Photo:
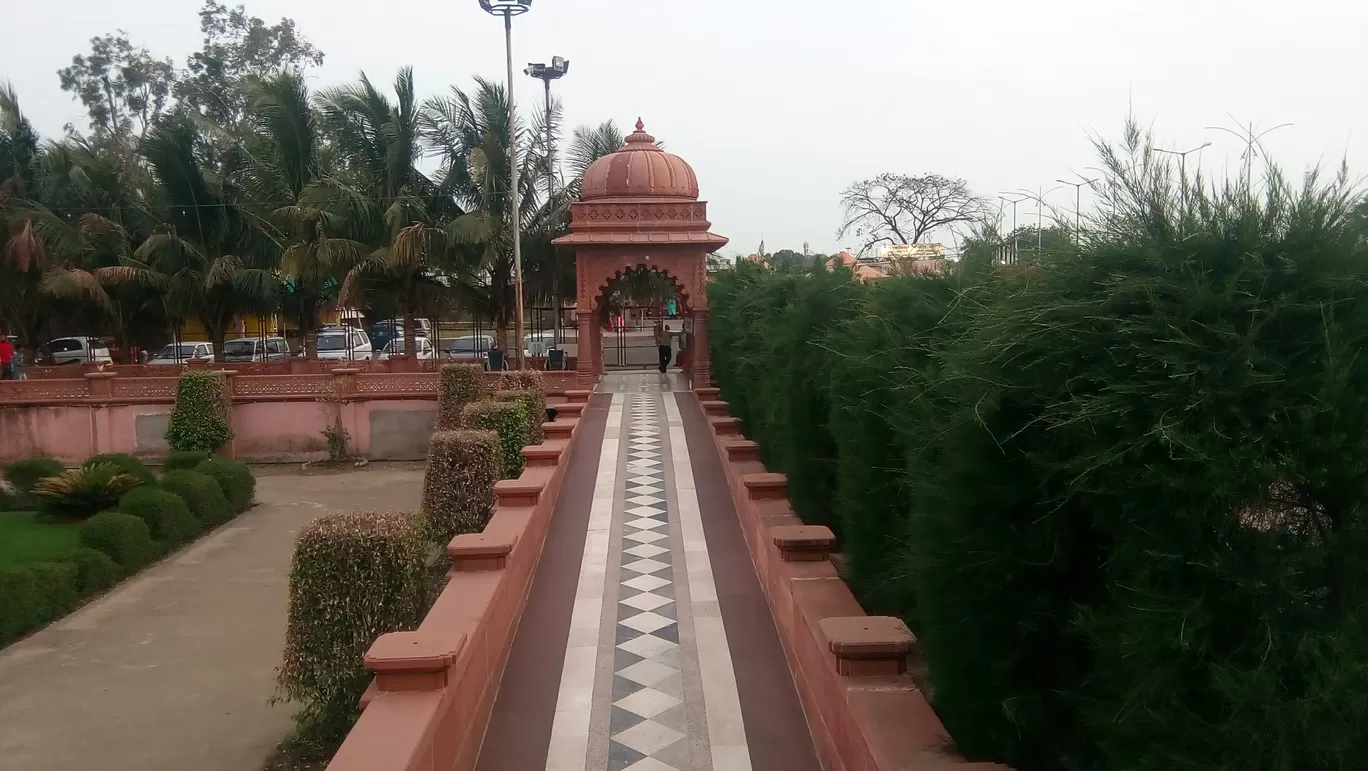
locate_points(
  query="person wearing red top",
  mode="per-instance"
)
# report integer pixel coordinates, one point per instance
(6, 358)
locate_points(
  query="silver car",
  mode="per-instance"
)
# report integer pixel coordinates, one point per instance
(180, 353)
(256, 349)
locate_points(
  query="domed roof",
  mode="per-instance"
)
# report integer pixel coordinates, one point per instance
(639, 170)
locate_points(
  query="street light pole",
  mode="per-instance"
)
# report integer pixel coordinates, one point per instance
(1182, 174)
(1015, 237)
(1078, 203)
(547, 73)
(508, 9)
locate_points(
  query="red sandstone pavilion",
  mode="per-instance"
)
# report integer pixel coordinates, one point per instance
(639, 210)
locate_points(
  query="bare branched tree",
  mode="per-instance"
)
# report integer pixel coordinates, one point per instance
(899, 209)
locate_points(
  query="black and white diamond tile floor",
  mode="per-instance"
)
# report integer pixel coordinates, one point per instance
(648, 729)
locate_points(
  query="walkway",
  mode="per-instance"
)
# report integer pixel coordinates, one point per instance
(173, 669)
(646, 643)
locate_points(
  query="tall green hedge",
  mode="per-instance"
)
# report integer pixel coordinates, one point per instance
(509, 421)
(461, 384)
(353, 578)
(534, 409)
(1120, 494)
(201, 419)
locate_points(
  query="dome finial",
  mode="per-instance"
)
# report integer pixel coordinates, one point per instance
(640, 126)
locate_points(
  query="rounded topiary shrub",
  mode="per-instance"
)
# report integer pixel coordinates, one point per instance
(509, 421)
(95, 570)
(185, 460)
(167, 516)
(127, 464)
(353, 577)
(461, 385)
(200, 419)
(124, 537)
(533, 402)
(458, 488)
(26, 473)
(201, 493)
(235, 479)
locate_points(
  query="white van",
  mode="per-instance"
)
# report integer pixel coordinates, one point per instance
(255, 349)
(346, 343)
(78, 350)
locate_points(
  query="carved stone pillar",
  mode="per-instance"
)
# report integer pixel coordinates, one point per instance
(586, 363)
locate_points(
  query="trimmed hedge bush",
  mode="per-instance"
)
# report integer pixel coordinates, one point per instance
(33, 594)
(95, 570)
(25, 473)
(200, 419)
(167, 516)
(235, 479)
(509, 421)
(124, 537)
(189, 459)
(10, 497)
(127, 464)
(353, 577)
(534, 407)
(79, 493)
(530, 380)
(201, 493)
(461, 384)
(458, 486)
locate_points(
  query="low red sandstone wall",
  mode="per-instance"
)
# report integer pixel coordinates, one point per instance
(275, 417)
(434, 687)
(865, 712)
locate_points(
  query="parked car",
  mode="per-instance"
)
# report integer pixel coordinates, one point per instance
(387, 330)
(179, 353)
(76, 350)
(468, 348)
(255, 349)
(343, 343)
(396, 345)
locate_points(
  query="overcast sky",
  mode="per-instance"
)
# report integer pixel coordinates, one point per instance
(778, 104)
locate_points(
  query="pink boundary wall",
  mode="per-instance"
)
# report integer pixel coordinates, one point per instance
(274, 417)
(850, 669)
(434, 687)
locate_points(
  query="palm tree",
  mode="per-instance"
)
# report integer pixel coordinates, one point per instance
(378, 141)
(310, 214)
(209, 257)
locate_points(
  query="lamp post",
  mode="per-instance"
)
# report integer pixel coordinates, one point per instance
(1078, 202)
(1039, 198)
(1014, 202)
(508, 9)
(1182, 173)
(546, 73)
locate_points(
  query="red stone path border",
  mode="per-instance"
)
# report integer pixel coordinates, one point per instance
(864, 711)
(435, 686)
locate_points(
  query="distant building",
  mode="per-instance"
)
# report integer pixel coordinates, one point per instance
(862, 269)
(910, 259)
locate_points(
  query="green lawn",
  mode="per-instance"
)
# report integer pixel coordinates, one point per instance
(24, 539)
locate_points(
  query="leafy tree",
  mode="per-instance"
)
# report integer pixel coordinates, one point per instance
(901, 209)
(236, 47)
(123, 88)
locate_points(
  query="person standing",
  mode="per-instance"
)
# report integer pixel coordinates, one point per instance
(7, 358)
(663, 338)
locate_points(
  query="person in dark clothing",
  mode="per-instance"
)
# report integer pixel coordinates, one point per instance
(663, 338)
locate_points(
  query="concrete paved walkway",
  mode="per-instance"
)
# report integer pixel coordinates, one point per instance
(173, 668)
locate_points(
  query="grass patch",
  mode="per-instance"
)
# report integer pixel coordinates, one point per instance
(24, 538)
